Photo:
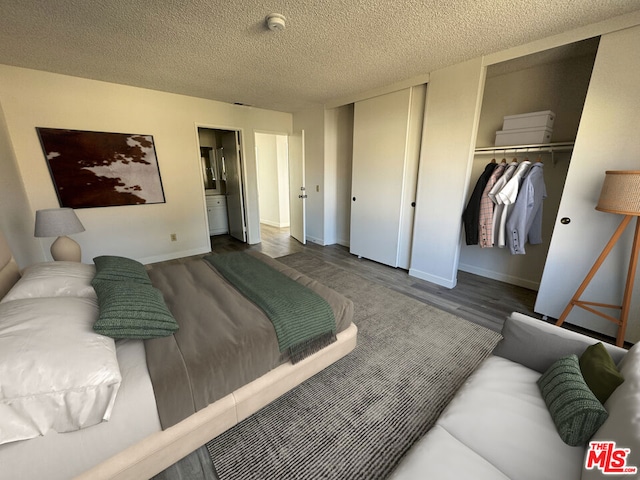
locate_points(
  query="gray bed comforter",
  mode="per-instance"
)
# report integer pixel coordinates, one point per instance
(224, 342)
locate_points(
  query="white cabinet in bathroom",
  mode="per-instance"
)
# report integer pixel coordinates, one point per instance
(217, 214)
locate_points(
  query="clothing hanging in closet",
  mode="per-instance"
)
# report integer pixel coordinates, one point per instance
(525, 221)
(471, 214)
(487, 208)
(505, 208)
(508, 196)
(493, 195)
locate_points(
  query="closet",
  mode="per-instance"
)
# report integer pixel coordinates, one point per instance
(387, 131)
(555, 80)
(591, 88)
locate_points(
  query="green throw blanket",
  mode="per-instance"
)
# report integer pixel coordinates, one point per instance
(303, 320)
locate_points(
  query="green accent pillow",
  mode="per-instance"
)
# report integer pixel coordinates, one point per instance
(111, 267)
(600, 371)
(132, 310)
(575, 410)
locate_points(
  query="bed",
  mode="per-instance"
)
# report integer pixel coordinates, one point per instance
(144, 433)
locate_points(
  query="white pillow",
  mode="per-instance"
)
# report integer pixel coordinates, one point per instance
(54, 279)
(56, 373)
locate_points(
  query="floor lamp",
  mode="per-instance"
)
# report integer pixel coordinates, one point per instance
(621, 195)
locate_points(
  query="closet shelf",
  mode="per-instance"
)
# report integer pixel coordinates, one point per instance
(537, 147)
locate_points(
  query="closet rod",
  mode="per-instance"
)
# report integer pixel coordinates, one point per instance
(537, 147)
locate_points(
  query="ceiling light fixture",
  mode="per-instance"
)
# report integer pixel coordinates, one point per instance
(276, 22)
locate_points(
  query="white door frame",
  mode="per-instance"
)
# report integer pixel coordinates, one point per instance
(243, 178)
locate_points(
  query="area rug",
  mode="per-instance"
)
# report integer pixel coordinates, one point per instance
(356, 418)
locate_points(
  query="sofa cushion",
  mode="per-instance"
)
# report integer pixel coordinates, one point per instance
(623, 424)
(574, 408)
(537, 344)
(439, 455)
(500, 414)
(600, 372)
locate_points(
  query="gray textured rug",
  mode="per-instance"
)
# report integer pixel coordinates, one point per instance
(356, 418)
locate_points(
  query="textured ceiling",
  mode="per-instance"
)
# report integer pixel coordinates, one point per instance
(222, 50)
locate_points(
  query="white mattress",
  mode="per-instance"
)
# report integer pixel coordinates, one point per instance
(65, 455)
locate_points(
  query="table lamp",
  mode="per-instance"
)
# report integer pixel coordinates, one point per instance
(60, 222)
(620, 195)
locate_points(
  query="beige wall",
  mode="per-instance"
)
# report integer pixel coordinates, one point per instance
(16, 217)
(32, 99)
(557, 86)
(273, 185)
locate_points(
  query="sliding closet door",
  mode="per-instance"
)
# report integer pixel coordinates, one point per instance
(607, 140)
(379, 152)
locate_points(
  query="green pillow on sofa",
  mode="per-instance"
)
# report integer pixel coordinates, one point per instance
(575, 410)
(114, 268)
(132, 310)
(600, 371)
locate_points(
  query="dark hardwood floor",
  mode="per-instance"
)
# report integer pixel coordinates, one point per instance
(480, 300)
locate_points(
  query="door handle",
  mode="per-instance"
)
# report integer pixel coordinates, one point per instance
(565, 221)
(302, 196)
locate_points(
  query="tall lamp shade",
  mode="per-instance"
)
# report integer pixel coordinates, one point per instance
(60, 222)
(620, 195)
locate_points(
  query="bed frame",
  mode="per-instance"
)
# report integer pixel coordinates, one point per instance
(162, 449)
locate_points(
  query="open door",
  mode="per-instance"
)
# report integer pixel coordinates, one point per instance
(232, 164)
(581, 231)
(297, 193)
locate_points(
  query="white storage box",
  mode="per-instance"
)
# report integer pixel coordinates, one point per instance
(523, 136)
(529, 120)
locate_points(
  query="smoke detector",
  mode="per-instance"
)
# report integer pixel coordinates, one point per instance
(276, 22)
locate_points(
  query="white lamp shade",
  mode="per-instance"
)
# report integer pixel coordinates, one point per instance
(54, 222)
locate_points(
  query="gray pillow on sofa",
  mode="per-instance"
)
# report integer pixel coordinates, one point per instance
(575, 410)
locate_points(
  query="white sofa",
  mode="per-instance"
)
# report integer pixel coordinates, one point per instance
(498, 425)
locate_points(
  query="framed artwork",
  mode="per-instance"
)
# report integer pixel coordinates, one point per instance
(99, 169)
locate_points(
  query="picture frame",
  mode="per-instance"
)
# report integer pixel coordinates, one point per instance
(101, 169)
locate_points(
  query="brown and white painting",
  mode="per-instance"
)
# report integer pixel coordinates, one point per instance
(98, 169)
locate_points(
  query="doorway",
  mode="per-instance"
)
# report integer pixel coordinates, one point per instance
(221, 161)
(272, 168)
(281, 187)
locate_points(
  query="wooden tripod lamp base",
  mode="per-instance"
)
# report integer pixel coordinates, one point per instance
(620, 194)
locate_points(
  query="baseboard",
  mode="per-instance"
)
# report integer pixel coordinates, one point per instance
(502, 277)
(174, 255)
(275, 224)
(445, 282)
(315, 240)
